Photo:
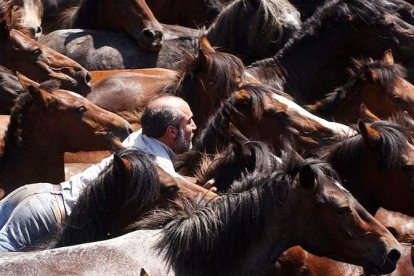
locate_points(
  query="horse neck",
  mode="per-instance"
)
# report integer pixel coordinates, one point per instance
(40, 159)
(248, 248)
(86, 15)
(301, 67)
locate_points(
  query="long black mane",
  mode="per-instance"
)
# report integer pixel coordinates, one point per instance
(111, 196)
(270, 24)
(214, 239)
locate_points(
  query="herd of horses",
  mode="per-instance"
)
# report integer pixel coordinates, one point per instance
(305, 122)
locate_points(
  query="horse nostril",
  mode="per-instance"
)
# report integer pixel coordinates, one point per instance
(394, 255)
(39, 30)
(129, 130)
(149, 33)
(88, 77)
(158, 34)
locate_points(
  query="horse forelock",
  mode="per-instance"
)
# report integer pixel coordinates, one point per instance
(197, 241)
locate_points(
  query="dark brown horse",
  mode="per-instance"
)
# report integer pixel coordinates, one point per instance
(188, 13)
(250, 29)
(43, 126)
(315, 61)
(36, 61)
(379, 85)
(10, 89)
(133, 18)
(229, 236)
(377, 166)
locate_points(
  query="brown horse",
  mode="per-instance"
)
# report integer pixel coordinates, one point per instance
(315, 61)
(379, 85)
(38, 62)
(237, 234)
(296, 261)
(188, 13)
(43, 126)
(208, 77)
(133, 18)
(262, 113)
(10, 89)
(377, 166)
(251, 29)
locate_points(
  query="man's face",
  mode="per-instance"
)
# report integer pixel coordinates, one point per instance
(186, 131)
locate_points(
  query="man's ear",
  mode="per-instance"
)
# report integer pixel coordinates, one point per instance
(172, 131)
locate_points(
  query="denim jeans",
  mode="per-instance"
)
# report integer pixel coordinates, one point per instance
(27, 215)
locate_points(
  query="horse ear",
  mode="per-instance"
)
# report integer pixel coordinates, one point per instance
(143, 272)
(205, 44)
(121, 165)
(370, 135)
(388, 58)
(242, 95)
(307, 177)
(366, 115)
(371, 74)
(203, 58)
(45, 97)
(25, 81)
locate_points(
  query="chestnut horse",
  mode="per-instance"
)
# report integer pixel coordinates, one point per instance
(206, 78)
(315, 61)
(379, 85)
(36, 61)
(262, 113)
(377, 166)
(133, 18)
(43, 126)
(298, 262)
(237, 234)
(251, 29)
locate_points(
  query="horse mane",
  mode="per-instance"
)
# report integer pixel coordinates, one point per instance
(386, 76)
(5, 9)
(212, 239)
(225, 71)
(229, 165)
(84, 15)
(272, 25)
(13, 138)
(215, 135)
(350, 153)
(96, 215)
(333, 13)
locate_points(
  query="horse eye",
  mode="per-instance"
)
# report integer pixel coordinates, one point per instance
(36, 53)
(397, 100)
(344, 210)
(82, 109)
(171, 191)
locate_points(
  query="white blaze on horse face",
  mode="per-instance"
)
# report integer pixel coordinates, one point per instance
(340, 129)
(32, 15)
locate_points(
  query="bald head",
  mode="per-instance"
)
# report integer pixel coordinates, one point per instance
(162, 112)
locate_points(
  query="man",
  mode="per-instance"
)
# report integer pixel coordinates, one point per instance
(33, 211)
